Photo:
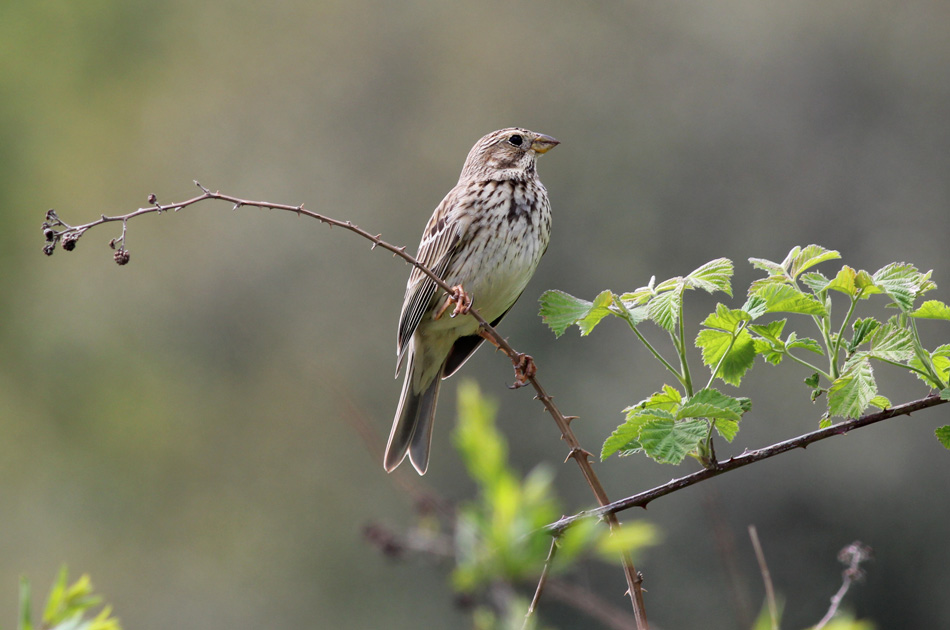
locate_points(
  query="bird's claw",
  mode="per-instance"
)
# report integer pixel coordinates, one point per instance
(525, 369)
(461, 299)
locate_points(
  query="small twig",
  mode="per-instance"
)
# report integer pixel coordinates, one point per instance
(541, 582)
(852, 556)
(577, 453)
(766, 576)
(643, 498)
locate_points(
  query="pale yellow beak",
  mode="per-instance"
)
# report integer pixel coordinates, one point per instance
(543, 144)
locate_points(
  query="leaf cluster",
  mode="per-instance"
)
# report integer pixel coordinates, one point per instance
(680, 421)
(501, 535)
(67, 606)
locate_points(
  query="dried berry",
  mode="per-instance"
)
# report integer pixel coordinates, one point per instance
(49, 248)
(49, 234)
(69, 241)
(152, 198)
(121, 256)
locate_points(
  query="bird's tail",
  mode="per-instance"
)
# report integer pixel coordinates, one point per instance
(412, 427)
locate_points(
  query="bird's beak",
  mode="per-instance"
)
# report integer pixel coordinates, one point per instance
(543, 144)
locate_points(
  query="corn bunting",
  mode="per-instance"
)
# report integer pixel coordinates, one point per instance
(485, 240)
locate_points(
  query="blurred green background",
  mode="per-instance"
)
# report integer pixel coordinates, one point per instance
(184, 428)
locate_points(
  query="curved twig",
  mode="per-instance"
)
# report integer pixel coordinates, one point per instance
(70, 234)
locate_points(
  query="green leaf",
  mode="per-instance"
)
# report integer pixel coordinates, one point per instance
(881, 402)
(813, 380)
(713, 276)
(901, 282)
(824, 423)
(625, 438)
(726, 428)
(711, 403)
(774, 269)
(943, 434)
(738, 359)
(863, 328)
(815, 281)
(477, 438)
(892, 343)
(809, 257)
(668, 400)
(940, 358)
(945, 394)
(629, 538)
(784, 298)
(664, 309)
(852, 392)
(771, 331)
(932, 309)
(559, 310)
(806, 343)
(26, 613)
(844, 281)
(669, 442)
(599, 310)
(726, 319)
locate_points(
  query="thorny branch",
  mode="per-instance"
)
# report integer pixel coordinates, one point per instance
(746, 458)
(55, 230)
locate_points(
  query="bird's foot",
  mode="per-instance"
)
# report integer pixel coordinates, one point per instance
(461, 299)
(525, 369)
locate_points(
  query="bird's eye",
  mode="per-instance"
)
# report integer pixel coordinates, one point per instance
(516, 140)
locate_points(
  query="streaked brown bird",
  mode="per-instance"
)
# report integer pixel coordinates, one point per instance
(485, 240)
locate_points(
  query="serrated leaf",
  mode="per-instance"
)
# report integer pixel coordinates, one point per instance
(771, 331)
(943, 434)
(806, 343)
(863, 328)
(881, 402)
(901, 282)
(728, 429)
(945, 394)
(637, 298)
(726, 319)
(844, 281)
(852, 392)
(738, 359)
(559, 310)
(711, 403)
(771, 352)
(773, 268)
(626, 436)
(754, 306)
(816, 281)
(932, 309)
(664, 309)
(598, 310)
(784, 298)
(809, 257)
(669, 442)
(714, 276)
(940, 358)
(892, 343)
(668, 400)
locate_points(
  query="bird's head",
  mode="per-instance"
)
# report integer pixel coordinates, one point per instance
(506, 154)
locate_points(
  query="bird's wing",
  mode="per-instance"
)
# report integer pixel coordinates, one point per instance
(439, 242)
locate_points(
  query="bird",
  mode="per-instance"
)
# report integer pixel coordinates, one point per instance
(485, 240)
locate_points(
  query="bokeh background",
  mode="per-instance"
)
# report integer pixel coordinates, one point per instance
(185, 428)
